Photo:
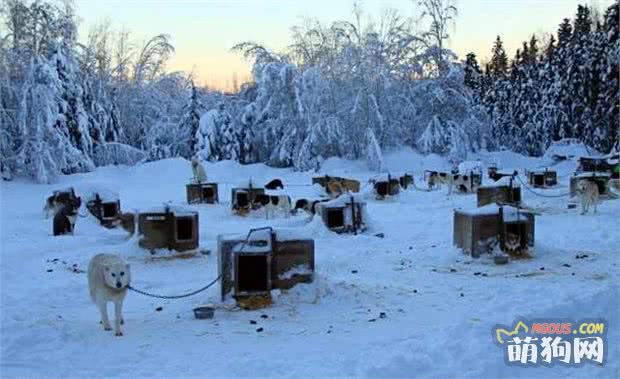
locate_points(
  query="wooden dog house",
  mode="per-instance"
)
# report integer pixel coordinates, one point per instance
(504, 191)
(345, 214)
(263, 260)
(106, 207)
(543, 178)
(477, 230)
(600, 178)
(203, 193)
(386, 186)
(593, 164)
(243, 199)
(168, 228)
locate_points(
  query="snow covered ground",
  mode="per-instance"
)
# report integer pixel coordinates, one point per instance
(439, 308)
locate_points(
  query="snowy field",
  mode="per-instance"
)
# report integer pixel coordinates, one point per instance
(439, 304)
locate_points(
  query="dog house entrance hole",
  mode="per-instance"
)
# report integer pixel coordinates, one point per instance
(207, 192)
(185, 227)
(382, 188)
(252, 273)
(109, 210)
(335, 218)
(243, 199)
(517, 229)
(516, 195)
(539, 179)
(602, 186)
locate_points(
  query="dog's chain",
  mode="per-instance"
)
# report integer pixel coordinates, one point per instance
(175, 296)
(540, 194)
(205, 287)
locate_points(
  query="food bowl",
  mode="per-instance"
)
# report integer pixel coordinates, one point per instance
(204, 312)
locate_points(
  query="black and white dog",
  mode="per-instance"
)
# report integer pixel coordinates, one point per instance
(273, 203)
(64, 219)
(274, 184)
(58, 200)
(463, 183)
(308, 205)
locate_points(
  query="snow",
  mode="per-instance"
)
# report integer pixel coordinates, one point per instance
(505, 181)
(570, 148)
(511, 214)
(323, 329)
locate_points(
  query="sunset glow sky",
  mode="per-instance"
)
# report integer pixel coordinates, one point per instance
(204, 31)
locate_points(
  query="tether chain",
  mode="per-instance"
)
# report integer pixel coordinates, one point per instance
(203, 288)
(175, 296)
(540, 194)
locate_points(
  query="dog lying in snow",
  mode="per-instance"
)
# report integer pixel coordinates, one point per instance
(198, 169)
(274, 185)
(463, 183)
(108, 278)
(587, 190)
(64, 219)
(273, 203)
(58, 200)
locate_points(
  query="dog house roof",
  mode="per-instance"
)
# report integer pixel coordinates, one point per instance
(503, 182)
(343, 200)
(384, 177)
(511, 214)
(106, 195)
(281, 234)
(590, 174)
(177, 210)
(540, 171)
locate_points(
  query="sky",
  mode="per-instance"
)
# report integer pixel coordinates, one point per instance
(203, 32)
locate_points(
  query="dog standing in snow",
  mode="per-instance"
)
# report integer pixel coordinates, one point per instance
(108, 279)
(587, 190)
(64, 219)
(274, 203)
(198, 169)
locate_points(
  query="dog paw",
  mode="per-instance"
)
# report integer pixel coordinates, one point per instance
(118, 334)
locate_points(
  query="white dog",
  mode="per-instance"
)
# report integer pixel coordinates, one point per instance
(588, 194)
(108, 278)
(198, 169)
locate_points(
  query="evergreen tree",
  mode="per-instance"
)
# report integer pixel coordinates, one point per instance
(472, 72)
(565, 32)
(499, 60)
